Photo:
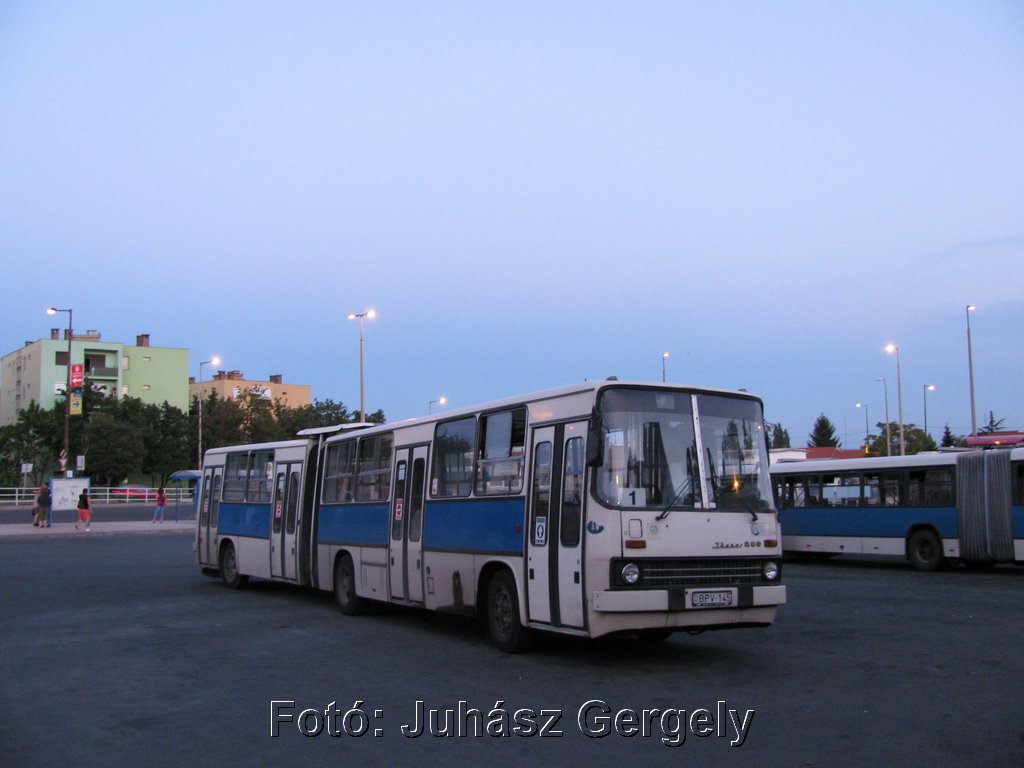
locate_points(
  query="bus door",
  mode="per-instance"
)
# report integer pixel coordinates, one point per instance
(554, 568)
(212, 478)
(405, 556)
(285, 506)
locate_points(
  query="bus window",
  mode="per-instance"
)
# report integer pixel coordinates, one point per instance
(541, 494)
(1018, 482)
(650, 456)
(800, 491)
(499, 468)
(881, 489)
(452, 467)
(374, 470)
(732, 432)
(339, 472)
(840, 490)
(572, 493)
(261, 476)
(930, 487)
(416, 501)
(236, 468)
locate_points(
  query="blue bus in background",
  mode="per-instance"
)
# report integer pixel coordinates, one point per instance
(965, 506)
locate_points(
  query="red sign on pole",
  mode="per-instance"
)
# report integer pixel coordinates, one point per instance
(77, 375)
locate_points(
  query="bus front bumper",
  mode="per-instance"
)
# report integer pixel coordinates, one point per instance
(683, 599)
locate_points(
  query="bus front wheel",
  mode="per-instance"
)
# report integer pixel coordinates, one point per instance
(503, 624)
(345, 595)
(925, 551)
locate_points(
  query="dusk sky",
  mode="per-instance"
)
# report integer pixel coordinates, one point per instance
(530, 194)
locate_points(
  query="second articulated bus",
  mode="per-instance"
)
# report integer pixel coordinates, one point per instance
(933, 507)
(591, 509)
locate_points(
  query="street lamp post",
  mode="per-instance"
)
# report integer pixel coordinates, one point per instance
(440, 401)
(362, 381)
(212, 361)
(927, 388)
(892, 348)
(67, 391)
(664, 357)
(867, 429)
(970, 369)
(888, 431)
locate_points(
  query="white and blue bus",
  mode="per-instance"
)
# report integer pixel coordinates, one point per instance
(591, 509)
(930, 508)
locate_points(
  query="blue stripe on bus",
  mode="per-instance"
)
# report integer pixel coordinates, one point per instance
(244, 520)
(885, 522)
(475, 525)
(1018, 521)
(360, 524)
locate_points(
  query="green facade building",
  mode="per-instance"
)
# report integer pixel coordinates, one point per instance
(38, 372)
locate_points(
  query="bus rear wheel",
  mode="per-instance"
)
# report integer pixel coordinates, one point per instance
(345, 595)
(503, 624)
(229, 568)
(924, 551)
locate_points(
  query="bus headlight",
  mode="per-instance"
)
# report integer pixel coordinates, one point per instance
(631, 573)
(771, 570)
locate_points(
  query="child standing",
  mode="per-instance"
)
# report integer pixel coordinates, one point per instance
(161, 503)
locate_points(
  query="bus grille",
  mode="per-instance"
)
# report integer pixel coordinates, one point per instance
(699, 573)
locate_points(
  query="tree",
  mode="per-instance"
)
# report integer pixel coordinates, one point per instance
(915, 438)
(824, 434)
(36, 438)
(778, 437)
(114, 449)
(949, 440)
(994, 425)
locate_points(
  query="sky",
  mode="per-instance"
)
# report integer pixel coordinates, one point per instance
(531, 194)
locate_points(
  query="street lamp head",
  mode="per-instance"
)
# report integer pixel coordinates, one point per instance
(51, 311)
(861, 405)
(371, 313)
(930, 387)
(352, 315)
(215, 360)
(890, 348)
(664, 354)
(971, 307)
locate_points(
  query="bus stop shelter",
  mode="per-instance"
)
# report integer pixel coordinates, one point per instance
(186, 483)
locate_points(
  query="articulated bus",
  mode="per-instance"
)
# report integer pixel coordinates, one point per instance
(962, 506)
(606, 507)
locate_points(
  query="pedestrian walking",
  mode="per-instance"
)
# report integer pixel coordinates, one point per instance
(44, 501)
(84, 510)
(161, 504)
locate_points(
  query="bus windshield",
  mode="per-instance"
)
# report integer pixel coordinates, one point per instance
(736, 454)
(651, 457)
(650, 450)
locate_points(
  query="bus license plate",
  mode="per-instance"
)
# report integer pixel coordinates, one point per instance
(720, 598)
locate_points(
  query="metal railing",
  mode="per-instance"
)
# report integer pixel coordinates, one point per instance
(103, 495)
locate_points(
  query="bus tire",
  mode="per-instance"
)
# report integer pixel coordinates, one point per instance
(229, 567)
(924, 550)
(345, 595)
(503, 624)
